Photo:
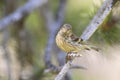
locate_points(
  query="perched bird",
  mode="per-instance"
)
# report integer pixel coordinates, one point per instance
(69, 42)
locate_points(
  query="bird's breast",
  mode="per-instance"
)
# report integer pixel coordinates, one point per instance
(63, 44)
(60, 42)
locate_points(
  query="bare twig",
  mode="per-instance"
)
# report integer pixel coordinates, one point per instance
(48, 17)
(63, 71)
(58, 69)
(92, 27)
(20, 13)
(98, 19)
(60, 12)
(52, 25)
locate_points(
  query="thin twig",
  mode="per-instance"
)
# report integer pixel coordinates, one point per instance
(52, 25)
(92, 27)
(98, 19)
(58, 69)
(63, 71)
(61, 12)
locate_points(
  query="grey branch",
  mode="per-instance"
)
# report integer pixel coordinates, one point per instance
(64, 71)
(52, 24)
(97, 20)
(58, 69)
(92, 27)
(61, 11)
(20, 13)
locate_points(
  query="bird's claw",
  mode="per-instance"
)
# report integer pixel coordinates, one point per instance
(71, 55)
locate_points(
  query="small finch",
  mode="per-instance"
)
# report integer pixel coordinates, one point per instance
(69, 42)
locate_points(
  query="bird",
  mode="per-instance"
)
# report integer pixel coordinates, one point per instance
(68, 42)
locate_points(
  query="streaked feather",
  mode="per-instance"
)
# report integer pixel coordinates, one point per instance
(69, 42)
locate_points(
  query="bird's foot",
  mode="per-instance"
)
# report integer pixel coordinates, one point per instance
(71, 55)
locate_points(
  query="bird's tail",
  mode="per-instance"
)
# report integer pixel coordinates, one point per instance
(91, 48)
(94, 48)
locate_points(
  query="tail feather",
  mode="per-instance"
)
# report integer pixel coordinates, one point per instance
(92, 47)
(95, 48)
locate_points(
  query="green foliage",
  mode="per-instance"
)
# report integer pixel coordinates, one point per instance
(38, 32)
(108, 33)
(112, 35)
(36, 26)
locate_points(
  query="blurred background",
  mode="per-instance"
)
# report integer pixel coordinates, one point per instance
(28, 50)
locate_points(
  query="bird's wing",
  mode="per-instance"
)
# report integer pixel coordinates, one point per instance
(75, 39)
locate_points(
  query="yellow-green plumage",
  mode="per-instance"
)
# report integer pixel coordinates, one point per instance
(68, 42)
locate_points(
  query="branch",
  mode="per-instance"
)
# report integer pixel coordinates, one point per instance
(59, 21)
(98, 19)
(47, 16)
(61, 11)
(58, 69)
(20, 13)
(49, 21)
(52, 25)
(92, 27)
(63, 71)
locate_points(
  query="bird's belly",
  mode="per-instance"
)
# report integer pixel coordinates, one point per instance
(65, 46)
(71, 48)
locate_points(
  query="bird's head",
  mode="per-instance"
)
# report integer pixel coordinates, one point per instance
(66, 29)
